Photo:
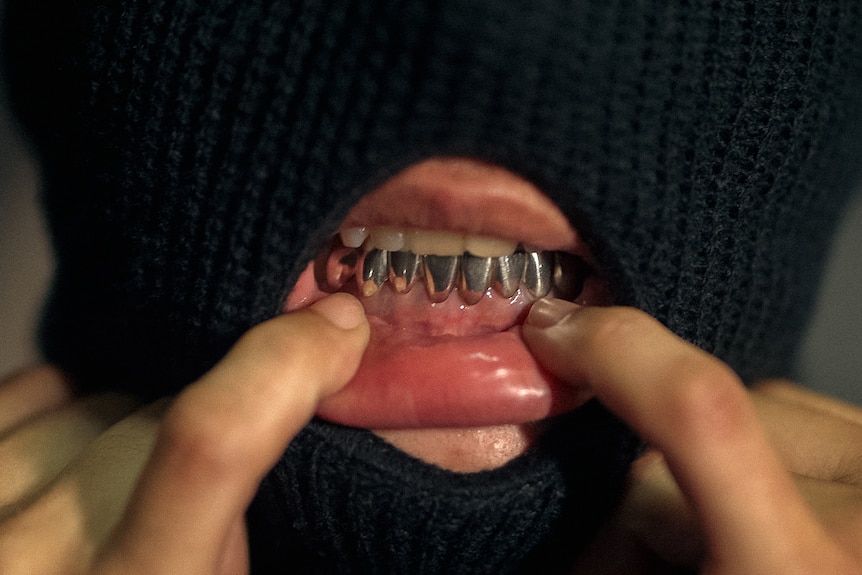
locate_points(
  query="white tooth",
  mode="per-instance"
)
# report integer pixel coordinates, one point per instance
(434, 242)
(390, 239)
(486, 247)
(421, 242)
(353, 237)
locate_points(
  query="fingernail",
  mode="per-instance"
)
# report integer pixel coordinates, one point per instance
(342, 309)
(549, 311)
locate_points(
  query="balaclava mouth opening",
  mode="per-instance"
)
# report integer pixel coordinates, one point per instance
(197, 154)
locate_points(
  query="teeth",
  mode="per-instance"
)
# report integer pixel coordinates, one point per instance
(441, 243)
(402, 257)
(388, 239)
(375, 267)
(435, 242)
(538, 273)
(353, 237)
(404, 269)
(440, 275)
(508, 273)
(475, 278)
(488, 247)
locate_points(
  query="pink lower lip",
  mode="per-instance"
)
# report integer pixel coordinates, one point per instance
(447, 381)
(478, 374)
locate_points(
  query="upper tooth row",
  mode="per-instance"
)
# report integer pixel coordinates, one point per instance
(441, 243)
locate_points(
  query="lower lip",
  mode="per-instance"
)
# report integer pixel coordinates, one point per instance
(412, 381)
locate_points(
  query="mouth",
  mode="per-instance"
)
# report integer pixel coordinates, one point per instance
(447, 257)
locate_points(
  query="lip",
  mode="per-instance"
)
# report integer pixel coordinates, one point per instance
(428, 381)
(472, 197)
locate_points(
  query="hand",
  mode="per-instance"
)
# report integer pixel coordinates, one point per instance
(736, 482)
(102, 486)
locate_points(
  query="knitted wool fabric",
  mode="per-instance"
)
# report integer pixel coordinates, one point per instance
(344, 501)
(197, 154)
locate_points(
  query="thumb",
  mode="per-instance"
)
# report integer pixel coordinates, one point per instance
(225, 432)
(694, 410)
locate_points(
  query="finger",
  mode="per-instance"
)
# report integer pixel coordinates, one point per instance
(656, 522)
(658, 515)
(815, 436)
(234, 556)
(839, 508)
(696, 412)
(30, 391)
(37, 451)
(59, 530)
(652, 531)
(802, 397)
(227, 430)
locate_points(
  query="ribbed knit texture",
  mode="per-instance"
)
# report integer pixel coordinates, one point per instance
(196, 154)
(343, 501)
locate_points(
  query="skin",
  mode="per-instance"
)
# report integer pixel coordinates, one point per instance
(723, 465)
(768, 481)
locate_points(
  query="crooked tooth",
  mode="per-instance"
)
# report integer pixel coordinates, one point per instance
(375, 268)
(389, 239)
(486, 247)
(404, 269)
(353, 237)
(569, 274)
(440, 275)
(538, 273)
(340, 266)
(507, 274)
(475, 277)
(434, 242)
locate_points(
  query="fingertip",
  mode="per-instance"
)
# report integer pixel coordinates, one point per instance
(325, 338)
(341, 309)
(547, 312)
(551, 332)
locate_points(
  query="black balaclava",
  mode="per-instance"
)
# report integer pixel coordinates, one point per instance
(197, 154)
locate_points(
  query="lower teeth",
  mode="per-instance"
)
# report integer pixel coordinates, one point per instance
(540, 273)
(441, 273)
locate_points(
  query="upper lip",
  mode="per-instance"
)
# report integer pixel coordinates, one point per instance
(470, 197)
